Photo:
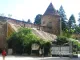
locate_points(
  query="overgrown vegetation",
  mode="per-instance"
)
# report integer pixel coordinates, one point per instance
(64, 41)
(22, 40)
(61, 40)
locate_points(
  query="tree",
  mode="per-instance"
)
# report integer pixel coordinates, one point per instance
(77, 29)
(38, 19)
(21, 40)
(63, 18)
(71, 21)
(61, 40)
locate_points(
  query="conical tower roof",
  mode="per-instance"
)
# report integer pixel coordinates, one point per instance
(51, 10)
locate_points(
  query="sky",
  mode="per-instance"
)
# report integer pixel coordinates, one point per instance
(28, 9)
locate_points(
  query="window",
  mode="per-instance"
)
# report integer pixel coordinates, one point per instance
(49, 25)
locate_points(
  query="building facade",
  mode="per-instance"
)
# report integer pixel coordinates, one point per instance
(3, 33)
(50, 21)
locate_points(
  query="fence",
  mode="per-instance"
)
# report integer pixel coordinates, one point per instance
(61, 50)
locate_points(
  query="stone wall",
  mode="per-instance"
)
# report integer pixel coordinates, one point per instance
(3, 33)
(51, 24)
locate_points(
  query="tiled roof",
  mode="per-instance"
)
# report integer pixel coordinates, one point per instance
(51, 10)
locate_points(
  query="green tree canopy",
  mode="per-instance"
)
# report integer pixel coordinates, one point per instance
(62, 12)
(71, 21)
(38, 19)
(63, 17)
(77, 29)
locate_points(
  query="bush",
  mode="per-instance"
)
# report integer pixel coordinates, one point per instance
(61, 40)
(65, 41)
(22, 40)
(76, 44)
(47, 47)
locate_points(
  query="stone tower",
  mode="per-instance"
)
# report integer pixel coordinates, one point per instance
(50, 20)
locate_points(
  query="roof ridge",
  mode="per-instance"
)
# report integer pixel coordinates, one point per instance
(50, 10)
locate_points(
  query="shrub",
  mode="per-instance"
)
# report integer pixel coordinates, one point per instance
(76, 44)
(22, 40)
(61, 40)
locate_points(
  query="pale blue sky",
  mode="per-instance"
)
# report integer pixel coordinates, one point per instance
(28, 9)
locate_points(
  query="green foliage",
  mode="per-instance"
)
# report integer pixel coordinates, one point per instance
(63, 18)
(62, 13)
(64, 24)
(25, 31)
(76, 44)
(61, 40)
(23, 39)
(68, 32)
(71, 21)
(15, 42)
(38, 19)
(77, 30)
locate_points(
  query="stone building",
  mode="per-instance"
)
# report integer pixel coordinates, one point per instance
(10, 25)
(6, 29)
(3, 34)
(50, 21)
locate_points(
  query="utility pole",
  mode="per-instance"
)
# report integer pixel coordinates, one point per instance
(60, 27)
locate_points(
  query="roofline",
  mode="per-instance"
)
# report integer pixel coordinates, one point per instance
(12, 19)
